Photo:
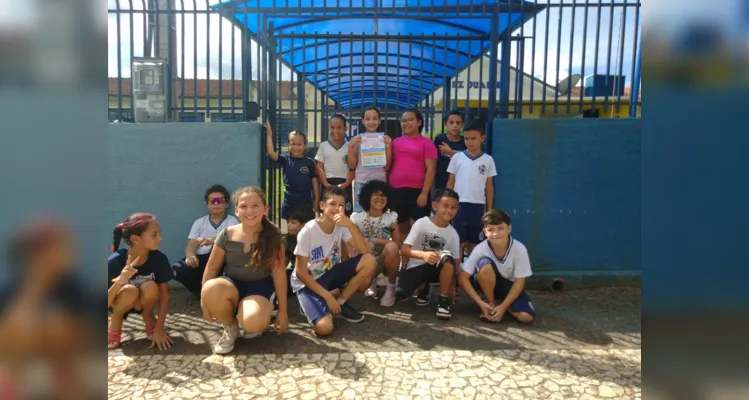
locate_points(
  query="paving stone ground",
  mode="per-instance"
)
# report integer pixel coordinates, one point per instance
(585, 344)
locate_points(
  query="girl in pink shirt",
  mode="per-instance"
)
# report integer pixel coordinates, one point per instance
(413, 168)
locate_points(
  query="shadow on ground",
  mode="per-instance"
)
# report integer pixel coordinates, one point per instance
(582, 319)
(586, 318)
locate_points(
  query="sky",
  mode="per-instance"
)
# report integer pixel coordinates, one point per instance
(533, 62)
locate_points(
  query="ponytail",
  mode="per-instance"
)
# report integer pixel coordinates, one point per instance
(268, 245)
(116, 237)
(135, 224)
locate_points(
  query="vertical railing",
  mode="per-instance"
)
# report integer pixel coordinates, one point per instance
(204, 83)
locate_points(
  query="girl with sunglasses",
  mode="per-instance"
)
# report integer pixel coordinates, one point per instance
(189, 270)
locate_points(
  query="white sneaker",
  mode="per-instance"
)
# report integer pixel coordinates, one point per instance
(226, 342)
(388, 299)
(250, 335)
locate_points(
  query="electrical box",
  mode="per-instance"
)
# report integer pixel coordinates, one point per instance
(148, 82)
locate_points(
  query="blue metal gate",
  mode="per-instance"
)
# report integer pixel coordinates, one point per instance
(300, 61)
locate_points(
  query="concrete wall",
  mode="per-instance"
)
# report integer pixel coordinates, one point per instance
(165, 169)
(572, 188)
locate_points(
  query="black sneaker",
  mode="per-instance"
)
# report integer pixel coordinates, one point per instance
(349, 314)
(422, 300)
(443, 308)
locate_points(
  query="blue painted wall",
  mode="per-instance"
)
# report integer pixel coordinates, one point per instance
(165, 169)
(572, 188)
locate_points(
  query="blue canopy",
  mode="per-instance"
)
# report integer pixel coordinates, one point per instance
(386, 53)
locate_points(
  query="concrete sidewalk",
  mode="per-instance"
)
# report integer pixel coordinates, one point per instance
(585, 344)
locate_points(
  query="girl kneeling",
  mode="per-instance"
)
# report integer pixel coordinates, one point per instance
(254, 273)
(138, 279)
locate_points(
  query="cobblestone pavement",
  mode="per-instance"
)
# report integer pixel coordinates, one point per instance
(585, 344)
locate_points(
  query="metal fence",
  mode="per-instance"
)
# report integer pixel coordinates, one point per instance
(222, 56)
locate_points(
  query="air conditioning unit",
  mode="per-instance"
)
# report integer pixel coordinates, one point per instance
(148, 80)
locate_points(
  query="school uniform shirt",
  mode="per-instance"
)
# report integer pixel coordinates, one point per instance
(443, 160)
(204, 227)
(515, 263)
(323, 251)
(409, 155)
(156, 268)
(375, 227)
(471, 174)
(426, 236)
(334, 158)
(297, 178)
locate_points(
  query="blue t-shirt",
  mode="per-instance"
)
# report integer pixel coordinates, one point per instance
(156, 268)
(297, 178)
(443, 160)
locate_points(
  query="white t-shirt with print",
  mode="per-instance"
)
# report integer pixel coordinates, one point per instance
(334, 159)
(323, 251)
(426, 236)
(203, 227)
(471, 174)
(515, 263)
(375, 227)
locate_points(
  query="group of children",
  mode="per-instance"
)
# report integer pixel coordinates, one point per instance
(244, 268)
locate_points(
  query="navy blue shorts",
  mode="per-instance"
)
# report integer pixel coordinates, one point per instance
(313, 306)
(263, 287)
(502, 289)
(467, 222)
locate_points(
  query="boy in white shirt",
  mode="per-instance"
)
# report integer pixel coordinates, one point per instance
(498, 268)
(431, 246)
(472, 175)
(320, 271)
(189, 270)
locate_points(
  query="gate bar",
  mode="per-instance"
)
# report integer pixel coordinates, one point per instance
(492, 78)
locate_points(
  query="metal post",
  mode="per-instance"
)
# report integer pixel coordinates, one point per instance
(504, 80)
(300, 102)
(636, 83)
(494, 39)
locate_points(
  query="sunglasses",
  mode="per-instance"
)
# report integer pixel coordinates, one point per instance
(216, 200)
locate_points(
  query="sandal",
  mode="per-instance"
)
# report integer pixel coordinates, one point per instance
(149, 331)
(113, 339)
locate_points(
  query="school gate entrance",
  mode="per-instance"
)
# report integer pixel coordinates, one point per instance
(297, 62)
(341, 57)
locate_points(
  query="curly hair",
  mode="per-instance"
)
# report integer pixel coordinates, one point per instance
(372, 187)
